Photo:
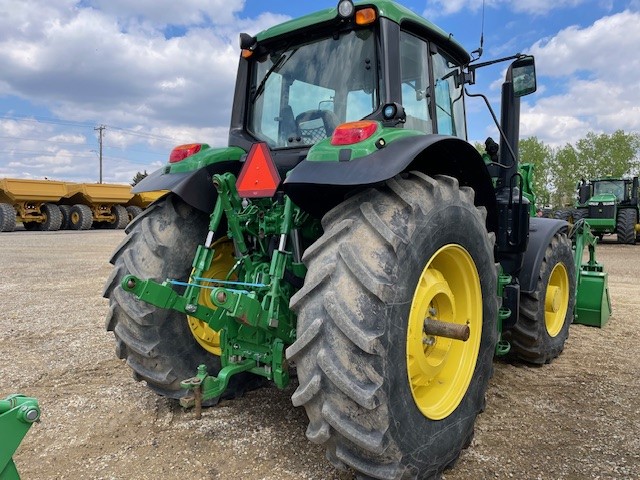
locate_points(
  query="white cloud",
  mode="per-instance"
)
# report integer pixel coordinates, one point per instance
(608, 47)
(160, 13)
(596, 71)
(83, 67)
(116, 62)
(532, 7)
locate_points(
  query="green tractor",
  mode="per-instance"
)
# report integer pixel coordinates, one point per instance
(351, 239)
(610, 205)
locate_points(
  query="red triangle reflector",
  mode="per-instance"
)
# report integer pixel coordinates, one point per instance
(259, 176)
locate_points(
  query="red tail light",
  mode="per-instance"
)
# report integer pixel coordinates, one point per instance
(183, 151)
(259, 176)
(353, 132)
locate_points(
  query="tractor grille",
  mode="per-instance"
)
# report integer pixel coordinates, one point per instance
(602, 211)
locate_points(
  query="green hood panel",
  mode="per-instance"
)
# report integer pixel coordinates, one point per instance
(325, 152)
(605, 198)
(205, 157)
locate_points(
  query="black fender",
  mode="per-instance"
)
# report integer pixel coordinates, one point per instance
(541, 231)
(319, 186)
(194, 187)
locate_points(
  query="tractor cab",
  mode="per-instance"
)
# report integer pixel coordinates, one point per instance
(337, 79)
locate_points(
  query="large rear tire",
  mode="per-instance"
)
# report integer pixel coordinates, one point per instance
(579, 214)
(7, 217)
(626, 225)
(133, 211)
(156, 343)
(52, 218)
(120, 217)
(383, 397)
(80, 217)
(566, 215)
(65, 210)
(546, 313)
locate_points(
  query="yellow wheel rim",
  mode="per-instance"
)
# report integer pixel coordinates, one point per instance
(556, 300)
(440, 369)
(221, 264)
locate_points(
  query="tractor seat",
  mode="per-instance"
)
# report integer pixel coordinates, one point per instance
(316, 125)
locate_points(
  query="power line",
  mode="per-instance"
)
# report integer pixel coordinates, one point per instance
(37, 119)
(47, 120)
(145, 135)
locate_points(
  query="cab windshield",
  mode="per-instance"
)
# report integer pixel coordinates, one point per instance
(614, 187)
(301, 93)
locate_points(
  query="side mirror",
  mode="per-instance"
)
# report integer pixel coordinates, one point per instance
(523, 75)
(247, 42)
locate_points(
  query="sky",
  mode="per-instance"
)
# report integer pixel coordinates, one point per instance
(159, 73)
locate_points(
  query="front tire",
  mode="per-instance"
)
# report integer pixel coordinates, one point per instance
(626, 226)
(380, 400)
(546, 313)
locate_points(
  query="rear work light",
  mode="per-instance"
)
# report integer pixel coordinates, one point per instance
(183, 151)
(353, 132)
(259, 176)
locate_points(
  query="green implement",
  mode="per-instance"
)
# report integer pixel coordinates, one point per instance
(17, 414)
(593, 304)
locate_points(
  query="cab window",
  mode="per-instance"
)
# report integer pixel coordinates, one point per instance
(414, 68)
(449, 98)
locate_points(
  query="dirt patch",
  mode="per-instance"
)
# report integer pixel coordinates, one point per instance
(578, 417)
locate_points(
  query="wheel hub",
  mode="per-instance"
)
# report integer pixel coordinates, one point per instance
(556, 300)
(440, 368)
(221, 265)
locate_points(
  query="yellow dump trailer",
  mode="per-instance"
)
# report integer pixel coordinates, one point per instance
(52, 205)
(140, 201)
(99, 204)
(31, 201)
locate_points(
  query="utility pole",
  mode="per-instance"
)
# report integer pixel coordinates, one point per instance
(100, 130)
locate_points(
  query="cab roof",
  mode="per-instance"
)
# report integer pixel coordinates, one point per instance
(385, 8)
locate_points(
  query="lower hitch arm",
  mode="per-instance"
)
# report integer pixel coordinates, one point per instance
(205, 387)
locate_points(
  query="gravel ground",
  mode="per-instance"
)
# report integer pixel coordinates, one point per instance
(576, 418)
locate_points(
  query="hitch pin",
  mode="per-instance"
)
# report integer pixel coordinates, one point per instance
(283, 242)
(198, 401)
(209, 240)
(195, 385)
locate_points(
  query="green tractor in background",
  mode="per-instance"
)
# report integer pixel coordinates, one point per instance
(610, 205)
(350, 230)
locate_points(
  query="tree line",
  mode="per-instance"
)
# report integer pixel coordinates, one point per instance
(557, 171)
